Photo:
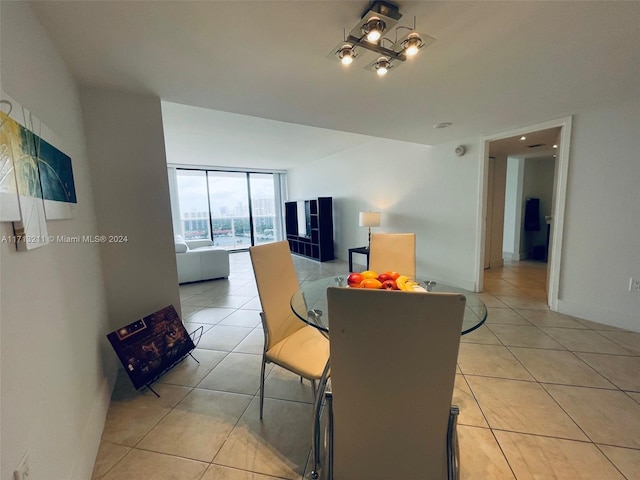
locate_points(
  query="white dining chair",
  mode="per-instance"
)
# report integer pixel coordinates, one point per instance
(393, 366)
(289, 342)
(393, 252)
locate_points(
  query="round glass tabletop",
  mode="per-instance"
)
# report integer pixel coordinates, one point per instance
(309, 303)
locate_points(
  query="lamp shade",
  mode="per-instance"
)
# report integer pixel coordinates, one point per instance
(369, 219)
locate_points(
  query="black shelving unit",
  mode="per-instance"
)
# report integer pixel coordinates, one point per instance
(315, 239)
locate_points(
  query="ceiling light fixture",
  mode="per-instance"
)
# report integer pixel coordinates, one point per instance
(379, 19)
(523, 138)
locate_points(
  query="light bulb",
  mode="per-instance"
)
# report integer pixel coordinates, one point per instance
(412, 44)
(346, 54)
(374, 36)
(382, 66)
(411, 50)
(373, 29)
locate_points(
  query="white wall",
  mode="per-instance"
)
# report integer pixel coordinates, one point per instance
(513, 208)
(125, 142)
(602, 221)
(427, 190)
(56, 373)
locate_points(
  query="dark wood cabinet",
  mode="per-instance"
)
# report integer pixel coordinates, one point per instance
(309, 225)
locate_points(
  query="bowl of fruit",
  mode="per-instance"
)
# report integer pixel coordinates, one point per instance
(383, 281)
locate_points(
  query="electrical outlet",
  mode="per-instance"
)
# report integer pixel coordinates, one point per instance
(634, 285)
(22, 472)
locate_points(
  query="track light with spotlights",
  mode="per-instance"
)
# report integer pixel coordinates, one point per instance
(380, 19)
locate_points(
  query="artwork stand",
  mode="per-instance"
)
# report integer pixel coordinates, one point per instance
(195, 337)
(151, 346)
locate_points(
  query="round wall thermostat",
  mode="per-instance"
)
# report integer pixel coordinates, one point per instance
(460, 150)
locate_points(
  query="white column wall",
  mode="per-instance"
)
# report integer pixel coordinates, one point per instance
(513, 208)
(125, 142)
(56, 370)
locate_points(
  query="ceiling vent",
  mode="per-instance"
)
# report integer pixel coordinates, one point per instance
(537, 145)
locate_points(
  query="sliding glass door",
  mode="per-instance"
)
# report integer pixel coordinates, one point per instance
(229, 204)
(233, 209)
(194, 204)
(262, 187)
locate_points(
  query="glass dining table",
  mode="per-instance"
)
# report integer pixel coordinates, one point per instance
(309, 304)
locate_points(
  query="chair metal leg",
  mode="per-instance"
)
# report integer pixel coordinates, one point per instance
(317, 409)
(453, 450)
(329, 436)
(264, 361)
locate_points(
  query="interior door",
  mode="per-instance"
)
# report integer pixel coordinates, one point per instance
(489, 216)
(497, 173)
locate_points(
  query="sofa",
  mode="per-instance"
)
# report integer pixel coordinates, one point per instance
(199, 260)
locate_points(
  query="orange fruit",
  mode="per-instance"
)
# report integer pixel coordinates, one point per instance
(371, 283)
(393, 275)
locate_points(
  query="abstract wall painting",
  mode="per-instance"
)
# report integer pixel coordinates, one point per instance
(34, 175)
(31, 229)
(9, 206)
(56, 178)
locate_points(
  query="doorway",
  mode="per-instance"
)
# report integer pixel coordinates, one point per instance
(500, 199)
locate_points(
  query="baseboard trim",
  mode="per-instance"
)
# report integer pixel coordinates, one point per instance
(598, 314)
(86, 457)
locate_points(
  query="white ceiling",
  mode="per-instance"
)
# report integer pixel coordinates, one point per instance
(494, 66)
(201, 136)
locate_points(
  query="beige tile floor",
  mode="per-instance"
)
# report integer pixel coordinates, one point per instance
(542, 395)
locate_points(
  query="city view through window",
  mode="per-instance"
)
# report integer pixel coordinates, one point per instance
(234, 209)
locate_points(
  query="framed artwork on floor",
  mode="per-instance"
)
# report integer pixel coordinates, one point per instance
(151, 345)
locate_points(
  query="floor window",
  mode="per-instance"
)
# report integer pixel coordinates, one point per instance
(233, 209)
